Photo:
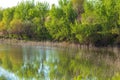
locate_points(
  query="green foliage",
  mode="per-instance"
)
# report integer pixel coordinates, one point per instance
(24, 10)
(41, 33)
(7, 17)
(64, 16)
(94, 22)
(26, 20)
(58, 31)
(99, 20)
(1, 14)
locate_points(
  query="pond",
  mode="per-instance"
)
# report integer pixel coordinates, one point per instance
(54, 63)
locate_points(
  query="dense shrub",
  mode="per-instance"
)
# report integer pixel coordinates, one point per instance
(81, 21)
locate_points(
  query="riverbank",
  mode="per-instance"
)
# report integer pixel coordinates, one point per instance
(52, 44)
(41, 43)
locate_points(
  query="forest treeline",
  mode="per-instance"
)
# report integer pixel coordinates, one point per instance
(95, 22)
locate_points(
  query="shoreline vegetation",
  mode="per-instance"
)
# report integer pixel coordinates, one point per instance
(53, 44)
(41, 43)
(86, 22)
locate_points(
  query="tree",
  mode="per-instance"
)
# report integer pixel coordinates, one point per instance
(78, 6)
(8, 15)
(41, 32)
(1, 14)
(24, 10)
(64, 15)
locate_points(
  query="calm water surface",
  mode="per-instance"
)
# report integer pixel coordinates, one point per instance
(50, 63)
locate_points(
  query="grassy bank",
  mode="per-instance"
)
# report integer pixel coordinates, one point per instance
(53, 44)
(40, 43)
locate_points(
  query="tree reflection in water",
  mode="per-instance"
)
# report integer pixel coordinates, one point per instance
(45, 63)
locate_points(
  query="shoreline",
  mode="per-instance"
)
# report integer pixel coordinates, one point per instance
(41, 43)
(51, 44)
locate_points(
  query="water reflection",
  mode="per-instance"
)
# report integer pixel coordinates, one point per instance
(6, 74)
(46, 63)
